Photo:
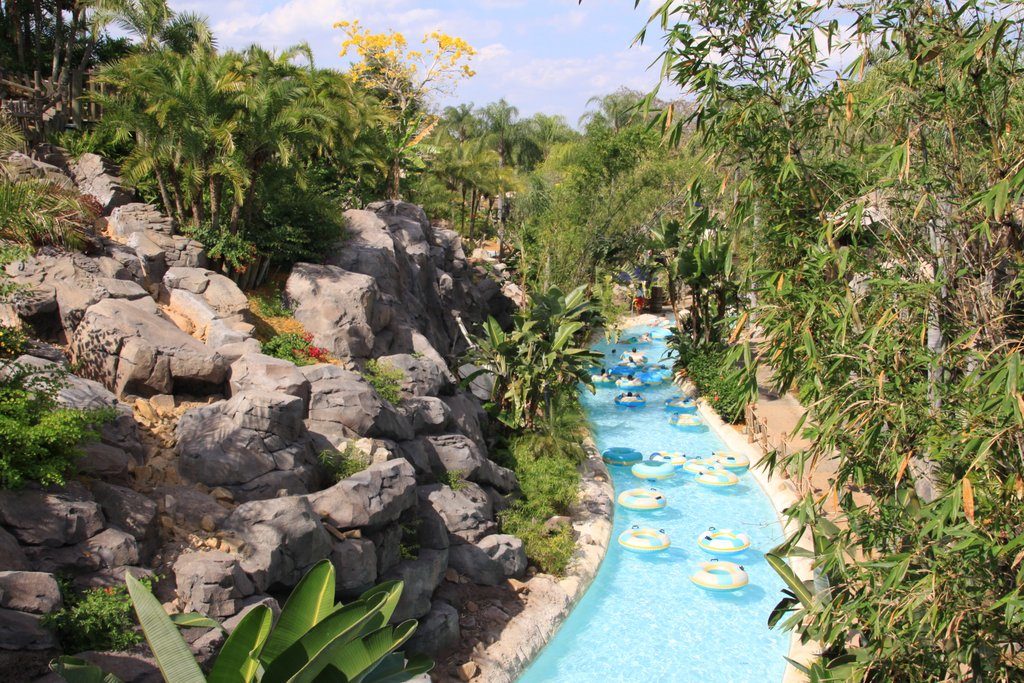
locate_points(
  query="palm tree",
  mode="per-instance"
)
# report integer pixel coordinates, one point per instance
(614, 111)
(461, 122)
(155, 25)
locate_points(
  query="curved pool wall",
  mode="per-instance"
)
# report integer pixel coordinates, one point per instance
(642, 619)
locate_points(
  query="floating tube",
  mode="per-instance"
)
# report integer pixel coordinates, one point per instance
(699, 465)
(719, 575)
(654, 377)
(732, 460)
(629, 383)
(723, 541)
(637, 359)
(622, 456)
(653, 470)
(674, 458)
(642, 499)
(681, 406)
(689, 423)
(623, 370)
(717, 477)
(644, 540)
(602, 380)
(635, 401)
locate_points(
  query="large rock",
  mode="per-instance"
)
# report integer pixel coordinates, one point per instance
(21, 631)
(12, 557)
(255, 443)
(372, 498)
(211, 583)
(50, 519)
(126, 509)
(490, 561)
(134, 352)
(437, 632)
(35, 592)
(467, 415)
(458, 453)
(422, 375)
(343, 398)
(97, 177)
(340, 308)
(189, 508)
(107, 550)
(355, 564)
(211, 305)
(128, 219)
(467, 514)
(421, 577)
(266, 373)
(283, 538)
(428, 414)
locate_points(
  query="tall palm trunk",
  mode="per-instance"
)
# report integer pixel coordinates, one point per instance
(472, 214)
(463, 209)
(395, 179)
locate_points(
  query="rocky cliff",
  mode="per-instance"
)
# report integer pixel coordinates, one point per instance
(208, 477)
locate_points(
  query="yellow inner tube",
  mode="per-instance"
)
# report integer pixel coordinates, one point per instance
(717, 477)
(686, 421)
(720, 576)
(698, 465)
(644, 540)
(710, 541)
(732, 460)
(642, 499)
(677, 458)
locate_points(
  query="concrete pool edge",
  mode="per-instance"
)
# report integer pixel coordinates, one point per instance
(781, 494)
(552, 599)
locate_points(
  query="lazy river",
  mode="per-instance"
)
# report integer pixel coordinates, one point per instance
(642, 619)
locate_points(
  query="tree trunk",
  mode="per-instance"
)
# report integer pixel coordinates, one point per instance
(395, 179)
(472, 215)
(215, 186)
(674, 299)
(161, 183)
(463, 211)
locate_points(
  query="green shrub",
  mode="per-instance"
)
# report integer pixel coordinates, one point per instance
(386, 379)
(708, 366)
(343, 464)
(12, 342)
(298, 348)
(546, 462)
(454, 479)
(409, 547)
(272, 305)
(39, 440)
(95, 619)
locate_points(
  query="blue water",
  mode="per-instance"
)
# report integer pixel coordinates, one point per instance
(642, 620)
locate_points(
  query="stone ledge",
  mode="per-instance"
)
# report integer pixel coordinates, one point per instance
(782, 494)
(552, 599)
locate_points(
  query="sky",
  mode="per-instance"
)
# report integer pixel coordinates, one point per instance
(546, 56)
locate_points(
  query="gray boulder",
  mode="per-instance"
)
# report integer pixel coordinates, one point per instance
(421, 577)
(283, 538)
(428, 414)
(355, 564)
(96, 176)
(35, 592)
(235, 442)
(423, 375)
(343, 310)
(50, 519)
(458, 453)
(134, 352)
(219, 291)
(491, 561)
(437, 632)
(466, 514)
(211, 583)
(12, 557)
(372, 498)
(255, 371)
(345, 399)
(190, 508)
(128, 219)
(107, 550)
(126, 509)
(467, 415)
(20, 631)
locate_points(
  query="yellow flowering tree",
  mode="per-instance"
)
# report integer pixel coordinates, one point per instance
(404, 79)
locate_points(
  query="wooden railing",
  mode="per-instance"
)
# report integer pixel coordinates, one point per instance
(757, 432)
(20, 98)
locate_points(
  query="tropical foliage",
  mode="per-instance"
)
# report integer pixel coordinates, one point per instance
(313, 639)
(544, 353)
(40, 441)
(870, 155)
(96, 619)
